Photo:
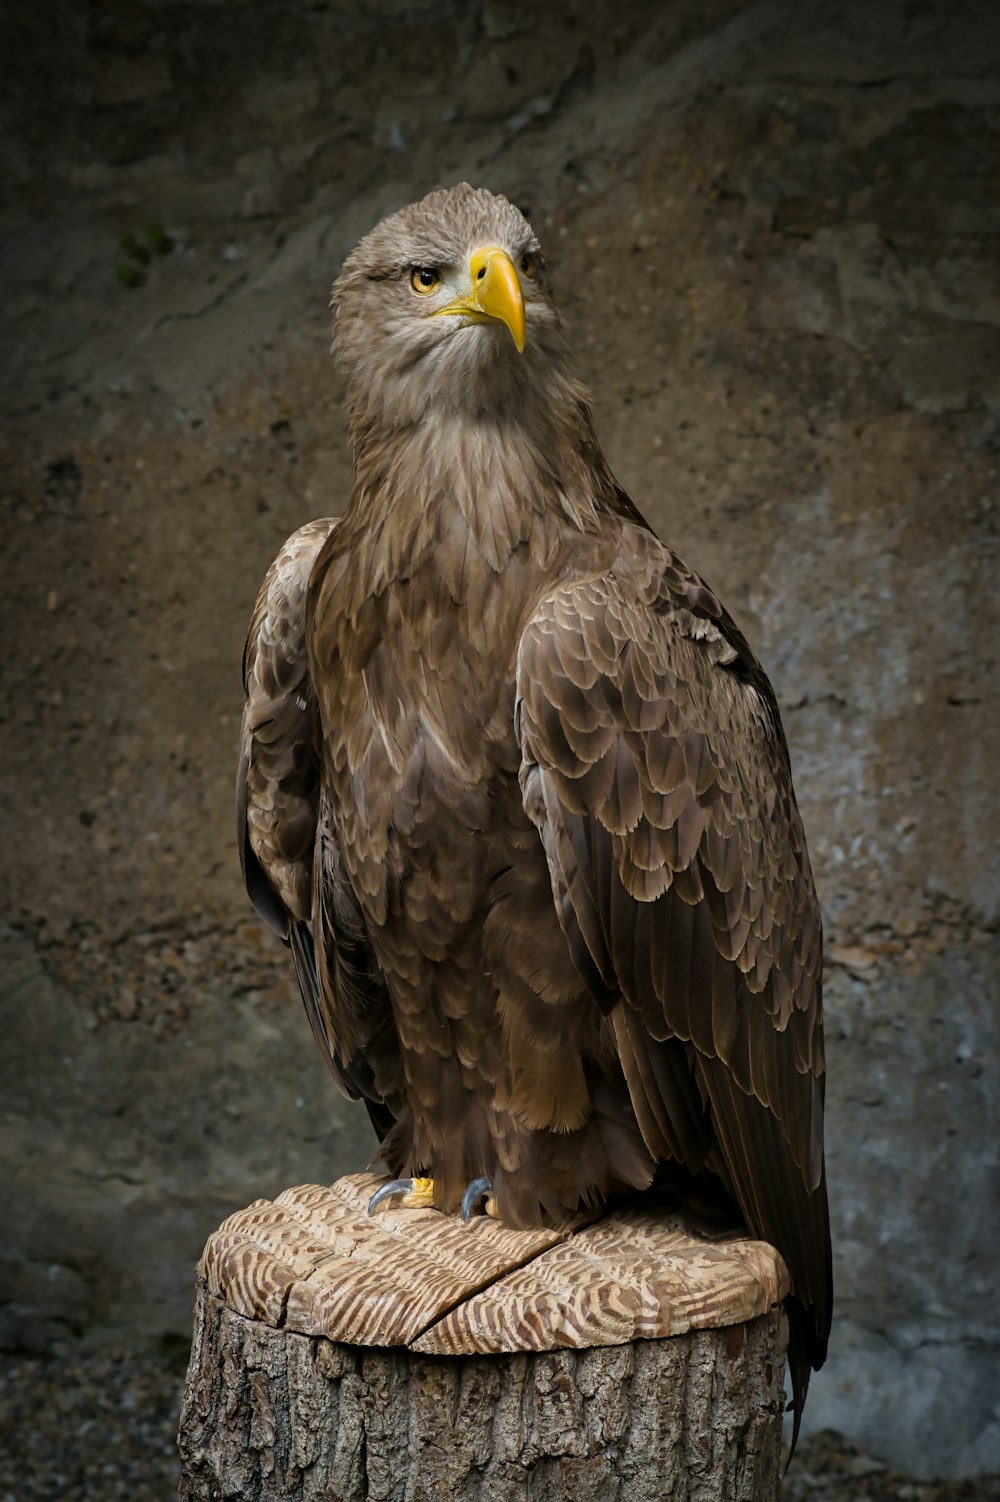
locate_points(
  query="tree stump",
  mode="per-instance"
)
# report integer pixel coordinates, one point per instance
(342, 1358)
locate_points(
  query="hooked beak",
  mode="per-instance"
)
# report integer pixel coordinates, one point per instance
(495, 293)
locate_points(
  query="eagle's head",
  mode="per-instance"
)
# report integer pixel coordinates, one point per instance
(444, 309)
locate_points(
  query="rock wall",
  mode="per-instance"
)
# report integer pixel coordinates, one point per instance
(773, 230)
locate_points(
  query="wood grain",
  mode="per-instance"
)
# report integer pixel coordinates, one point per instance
(630, 1277)
(314, 1262)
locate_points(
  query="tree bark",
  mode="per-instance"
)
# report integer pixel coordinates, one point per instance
(278, 1409)
(271, 1416)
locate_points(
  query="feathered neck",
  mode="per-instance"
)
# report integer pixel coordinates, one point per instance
(525, 463)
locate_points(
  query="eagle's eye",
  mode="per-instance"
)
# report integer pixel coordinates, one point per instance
(528, 266)
(424, 279)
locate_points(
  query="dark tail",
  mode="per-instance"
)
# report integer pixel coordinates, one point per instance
(808, 1330)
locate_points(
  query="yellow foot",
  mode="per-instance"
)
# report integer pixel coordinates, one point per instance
(477, 1190)
(413, 1194)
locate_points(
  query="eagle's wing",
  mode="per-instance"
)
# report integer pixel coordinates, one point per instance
(655, 769)
(288, 848)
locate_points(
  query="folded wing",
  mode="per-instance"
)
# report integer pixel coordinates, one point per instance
(655, 769)
(288, 848)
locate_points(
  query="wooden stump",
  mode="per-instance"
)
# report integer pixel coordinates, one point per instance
(338, 1358)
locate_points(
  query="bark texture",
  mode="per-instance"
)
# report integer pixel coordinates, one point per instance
(271, 1416)
(403, 1356)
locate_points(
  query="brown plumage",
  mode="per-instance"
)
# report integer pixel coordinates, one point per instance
(515, 788)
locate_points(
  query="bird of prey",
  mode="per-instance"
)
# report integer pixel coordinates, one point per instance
(514, 787)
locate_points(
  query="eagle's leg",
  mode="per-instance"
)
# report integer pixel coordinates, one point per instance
(476, 1190)
(413, 1194)
(418, 1194)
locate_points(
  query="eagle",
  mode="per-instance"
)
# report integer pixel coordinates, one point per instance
(514, 788)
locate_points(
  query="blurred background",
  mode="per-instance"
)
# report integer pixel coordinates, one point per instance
(774, 231)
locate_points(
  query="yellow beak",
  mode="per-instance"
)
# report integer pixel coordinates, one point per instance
(496, 293)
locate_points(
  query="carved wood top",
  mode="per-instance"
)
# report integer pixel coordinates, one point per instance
(314, 1262)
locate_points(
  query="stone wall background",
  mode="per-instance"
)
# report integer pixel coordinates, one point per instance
(773, 229)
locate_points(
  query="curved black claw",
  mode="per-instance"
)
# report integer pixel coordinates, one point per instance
(389, 1191)
(474, 1192)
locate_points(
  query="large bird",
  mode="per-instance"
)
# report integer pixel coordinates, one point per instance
(514, 787)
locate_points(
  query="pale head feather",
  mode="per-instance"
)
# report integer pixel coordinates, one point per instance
(398, 361)
(440, 406)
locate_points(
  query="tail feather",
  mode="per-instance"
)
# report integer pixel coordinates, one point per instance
(799, 1362)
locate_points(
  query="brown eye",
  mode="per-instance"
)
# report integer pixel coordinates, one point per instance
(424, 279)
(528, 267)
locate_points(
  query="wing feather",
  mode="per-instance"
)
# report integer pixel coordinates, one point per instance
(288, 849)
(278, 781)
(681, 882)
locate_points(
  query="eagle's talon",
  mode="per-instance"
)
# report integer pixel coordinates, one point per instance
(413, 1194)
(474, 1192)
